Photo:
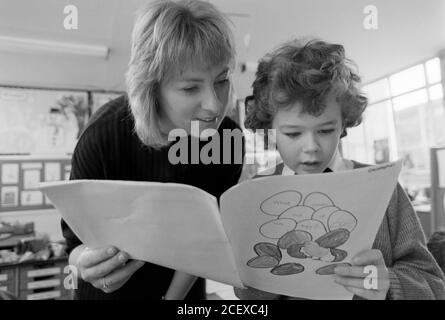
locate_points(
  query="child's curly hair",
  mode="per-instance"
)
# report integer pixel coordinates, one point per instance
(307, 74)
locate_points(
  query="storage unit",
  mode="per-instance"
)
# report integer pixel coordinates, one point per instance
(8, 279)
(36, 280)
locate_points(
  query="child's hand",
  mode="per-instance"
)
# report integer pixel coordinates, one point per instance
(354, 278)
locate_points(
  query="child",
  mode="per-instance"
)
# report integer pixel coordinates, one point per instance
(308, 94)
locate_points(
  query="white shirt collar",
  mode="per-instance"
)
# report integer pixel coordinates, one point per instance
(337, 164)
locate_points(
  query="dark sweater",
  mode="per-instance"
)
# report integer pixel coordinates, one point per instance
(109, 149)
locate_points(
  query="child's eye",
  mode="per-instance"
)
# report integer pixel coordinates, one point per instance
(327, 131)
(293, 134)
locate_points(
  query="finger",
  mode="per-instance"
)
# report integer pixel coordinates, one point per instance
(367, 257)
(91, 257)
(350, 282)
(106, 267)
(354, 271)
(121, 275)
(367, 294)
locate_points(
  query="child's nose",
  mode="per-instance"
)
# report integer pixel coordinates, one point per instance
(311, 143)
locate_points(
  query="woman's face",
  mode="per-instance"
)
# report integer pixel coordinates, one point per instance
(195, 95)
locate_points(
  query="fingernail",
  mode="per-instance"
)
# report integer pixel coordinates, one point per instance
(339, 269)
(140, 263)
(110, 251)
(122, 257)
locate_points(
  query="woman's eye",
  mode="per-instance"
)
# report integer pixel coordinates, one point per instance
(327, 131)
(190, 89)
(223, 81)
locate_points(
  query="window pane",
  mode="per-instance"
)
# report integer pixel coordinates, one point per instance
(376, 91)
(354, 145)
(407, 80)
(436, 91)
(410, 99)
(433, 71)
(412, 147)
(437, 122)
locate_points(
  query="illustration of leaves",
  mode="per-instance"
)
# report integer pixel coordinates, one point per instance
(298, 213)
(333, 238)
(262, 262)
(342, 219)
(276, 228)
(323, 214)
(339, 254)
(287, 269)
(317, 200)
(280, 202)
(294, 237)
(267, 249)
(329, 269)
(314, 227)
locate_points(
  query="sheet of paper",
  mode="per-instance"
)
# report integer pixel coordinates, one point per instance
(173, 225)
(287, 231)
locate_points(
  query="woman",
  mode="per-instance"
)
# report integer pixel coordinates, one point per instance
(179, 73)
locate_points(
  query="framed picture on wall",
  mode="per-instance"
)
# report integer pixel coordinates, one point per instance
(37, 121)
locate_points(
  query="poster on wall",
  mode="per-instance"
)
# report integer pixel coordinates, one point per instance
(9, 197)
(10, 173)
(101, 98)
(35, 121)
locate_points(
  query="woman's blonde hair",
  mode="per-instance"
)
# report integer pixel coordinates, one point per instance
(169, 36)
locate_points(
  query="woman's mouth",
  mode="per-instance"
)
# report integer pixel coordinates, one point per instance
(208, 120)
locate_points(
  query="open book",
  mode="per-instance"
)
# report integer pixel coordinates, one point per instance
(281, 234)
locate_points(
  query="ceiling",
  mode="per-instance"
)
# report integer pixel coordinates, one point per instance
(408, 32)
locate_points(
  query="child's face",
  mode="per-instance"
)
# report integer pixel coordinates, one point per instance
(307, 143)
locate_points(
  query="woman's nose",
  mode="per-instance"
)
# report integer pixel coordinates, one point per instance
(211, 102)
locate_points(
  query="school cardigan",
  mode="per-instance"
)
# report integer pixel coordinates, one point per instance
(109, 149)
(413, 272)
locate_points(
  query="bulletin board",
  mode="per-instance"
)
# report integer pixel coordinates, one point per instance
(41, 121)
(20, 177)
(438, 188)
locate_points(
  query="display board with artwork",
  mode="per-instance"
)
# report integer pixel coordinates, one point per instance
(20, 177)
(36, 121)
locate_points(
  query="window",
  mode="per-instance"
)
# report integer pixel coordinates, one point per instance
(404, 119)
(433, 71)
(407, 80)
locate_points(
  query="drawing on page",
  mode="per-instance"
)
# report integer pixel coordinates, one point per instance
(309, 228)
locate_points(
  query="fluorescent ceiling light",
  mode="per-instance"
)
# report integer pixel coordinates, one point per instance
(24, 45)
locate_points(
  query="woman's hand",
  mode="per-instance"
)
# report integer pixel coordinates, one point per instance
(106, 268)
(354, 278)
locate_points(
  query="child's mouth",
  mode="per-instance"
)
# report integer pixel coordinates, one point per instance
(311, 165)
